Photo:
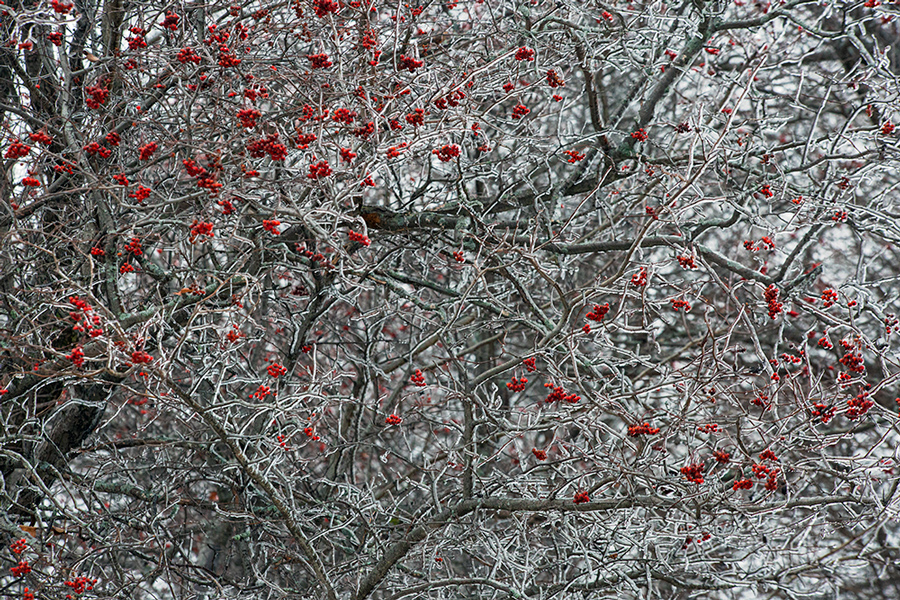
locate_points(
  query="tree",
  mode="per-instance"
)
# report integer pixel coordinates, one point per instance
(467, 299)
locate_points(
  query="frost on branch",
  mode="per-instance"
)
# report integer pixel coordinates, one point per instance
(550, 300)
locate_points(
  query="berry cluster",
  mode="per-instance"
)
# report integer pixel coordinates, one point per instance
(234, 334)
(693, 473)
(80, 585)
(140, 357)
(95, 148)
(524, 53)
(554, 80)
(829, 298)
(858, 406)
(227, 58)
(147, 150)
(268, 145)
(599, 311)
(574, 156)
(853, 359)
(762, 401)
(313, 256)
(347, 155)
(823, 412)
(766, 243)
(96, 95)
(199, 229)
(134, 246)
(248, 117)
(452, 100)
(409, 63)
(17, 150)
(343, 115)
(678, 304)
(276, 370)
(417, 117)
(170, 21)
(517, 384)
(446, 153)
(764, 472)
(767, 454)
(76, 356)
(358, 237)
(324, 7)
(22, 569)
(84, 321)
(364, 131)
(140, 194)
(558, 394)
(305, 139)
(261, 392)
(687, 262)
(639, 279)
(137, 42)
(519, 111)
(642, 429)
(187, 55)
(318, 61)
(319, 170)
(771, 298)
